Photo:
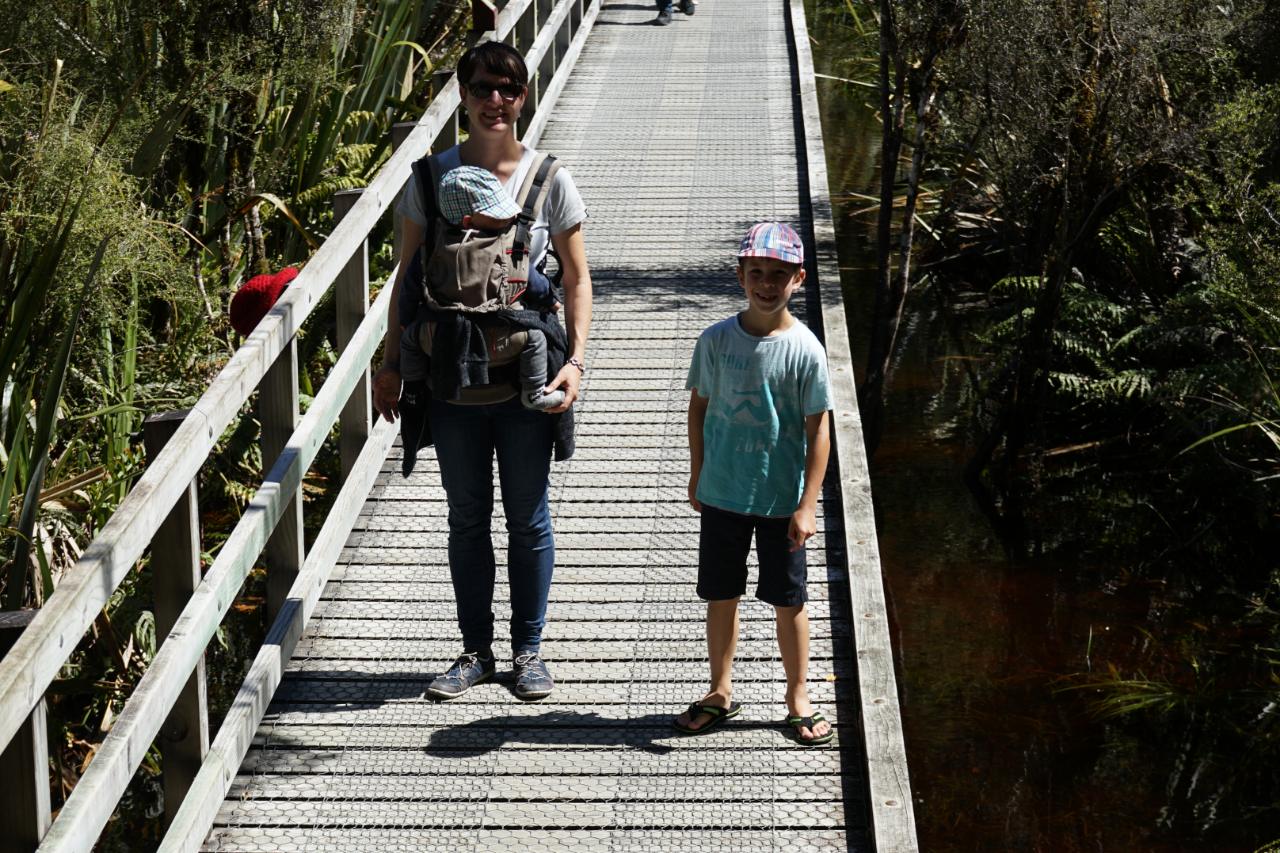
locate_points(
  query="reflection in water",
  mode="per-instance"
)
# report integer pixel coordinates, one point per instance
(1000, 757)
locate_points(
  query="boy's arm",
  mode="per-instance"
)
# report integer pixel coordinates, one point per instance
(804, 521)
(697, 417)
(386, 382)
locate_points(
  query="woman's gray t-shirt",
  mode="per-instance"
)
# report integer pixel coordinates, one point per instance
(563, 209)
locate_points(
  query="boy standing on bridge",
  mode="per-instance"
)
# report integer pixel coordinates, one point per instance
(758, 446)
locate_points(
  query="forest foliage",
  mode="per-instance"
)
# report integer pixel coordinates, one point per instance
(1106, 175)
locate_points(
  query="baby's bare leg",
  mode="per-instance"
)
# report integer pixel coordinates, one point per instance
(533, 374)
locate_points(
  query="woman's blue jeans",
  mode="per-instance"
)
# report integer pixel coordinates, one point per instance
(466, 439)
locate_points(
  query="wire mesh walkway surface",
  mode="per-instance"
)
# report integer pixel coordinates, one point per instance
(679, 138)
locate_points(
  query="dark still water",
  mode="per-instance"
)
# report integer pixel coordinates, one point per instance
(1002, 757)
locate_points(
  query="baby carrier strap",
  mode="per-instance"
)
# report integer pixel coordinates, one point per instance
(425, 171)
(531, 198)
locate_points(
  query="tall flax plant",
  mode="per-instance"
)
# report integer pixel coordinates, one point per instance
(333, 134)
(28, 276)
(49, 400)
(60, 191)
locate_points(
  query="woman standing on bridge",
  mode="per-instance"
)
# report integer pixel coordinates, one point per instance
(493, 79)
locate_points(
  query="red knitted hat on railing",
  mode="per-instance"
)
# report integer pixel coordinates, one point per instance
(255, 297)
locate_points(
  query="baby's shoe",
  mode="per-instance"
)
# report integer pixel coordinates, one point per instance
(540, 401)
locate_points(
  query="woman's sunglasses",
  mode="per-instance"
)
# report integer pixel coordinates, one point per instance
(507, 91)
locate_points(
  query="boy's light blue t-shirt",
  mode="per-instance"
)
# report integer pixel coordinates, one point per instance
(760, 390)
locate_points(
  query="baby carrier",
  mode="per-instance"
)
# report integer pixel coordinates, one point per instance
(464, 294)
(472, 287)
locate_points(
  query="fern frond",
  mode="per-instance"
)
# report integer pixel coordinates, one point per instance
(321, 192)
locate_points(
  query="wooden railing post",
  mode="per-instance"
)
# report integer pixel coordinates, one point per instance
(575, 18)
(564, 36)
(399, 133)
(448, 136)
(278, 413)
(484, 17)
(24, 764)
(526, 30)
(175, 573)
(351, 297)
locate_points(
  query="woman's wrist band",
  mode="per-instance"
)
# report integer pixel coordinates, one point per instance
(577, 362)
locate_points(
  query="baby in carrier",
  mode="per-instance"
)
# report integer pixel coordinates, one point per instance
(472, 199)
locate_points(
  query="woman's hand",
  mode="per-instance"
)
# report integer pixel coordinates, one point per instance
(386, 392)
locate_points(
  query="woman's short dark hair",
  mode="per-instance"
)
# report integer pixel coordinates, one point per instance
(500, 60)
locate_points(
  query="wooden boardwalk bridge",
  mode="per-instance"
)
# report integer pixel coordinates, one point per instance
(679, 138)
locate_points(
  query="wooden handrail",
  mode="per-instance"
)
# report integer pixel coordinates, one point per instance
(94, 797)
(27, 671)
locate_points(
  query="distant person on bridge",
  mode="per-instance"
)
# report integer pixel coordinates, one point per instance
(493, 79)
(758, 446)
(664, 10)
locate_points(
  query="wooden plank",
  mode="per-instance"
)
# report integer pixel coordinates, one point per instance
(708, 753)
(663, 613)
(278, 408)
(561, 631)
(892, 812)
(236, 839)
(540, 816)
(557, 714)
(351, 298)
(625, 672)
(326, 692)
(653, 734)
(535, 787)
(175, 573)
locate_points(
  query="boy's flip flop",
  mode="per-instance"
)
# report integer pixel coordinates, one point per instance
(718, 716)
(797, 723)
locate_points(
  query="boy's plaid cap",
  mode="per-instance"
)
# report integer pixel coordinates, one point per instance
(470, 189)
(772, 240)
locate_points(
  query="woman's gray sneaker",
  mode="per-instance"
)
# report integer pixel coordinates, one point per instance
(533, 681)
(467, 671)
(686, 6)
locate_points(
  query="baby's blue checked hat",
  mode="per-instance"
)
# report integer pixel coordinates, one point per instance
(470, 189)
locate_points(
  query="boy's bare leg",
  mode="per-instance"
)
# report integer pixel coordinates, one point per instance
(722, 640)
(793, 643)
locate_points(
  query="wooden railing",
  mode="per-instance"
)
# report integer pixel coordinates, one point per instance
(168, 704)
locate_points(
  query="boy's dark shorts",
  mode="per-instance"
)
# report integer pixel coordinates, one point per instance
(723, 544)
